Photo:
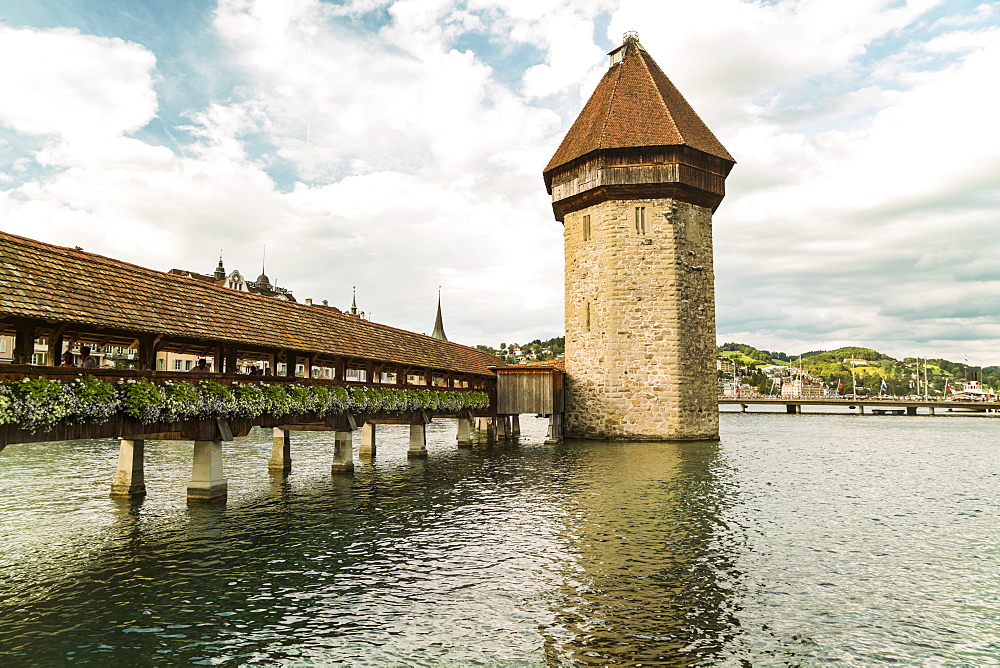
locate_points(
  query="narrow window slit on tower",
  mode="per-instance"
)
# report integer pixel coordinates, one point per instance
(587, 315)
(586, 227)
(640, 220)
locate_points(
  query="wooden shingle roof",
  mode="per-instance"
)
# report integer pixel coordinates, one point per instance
(635, 105)
(53, 284)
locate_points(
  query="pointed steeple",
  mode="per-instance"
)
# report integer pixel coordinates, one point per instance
(637, 116)
(634, 105)
(354, 300)
(438, 322)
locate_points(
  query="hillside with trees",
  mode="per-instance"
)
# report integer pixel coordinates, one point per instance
(536, 351)
(764, 369)
(865, 372)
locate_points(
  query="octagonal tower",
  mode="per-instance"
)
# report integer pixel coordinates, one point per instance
(635, 183)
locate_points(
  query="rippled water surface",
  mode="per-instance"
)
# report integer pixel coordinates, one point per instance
(796, 540)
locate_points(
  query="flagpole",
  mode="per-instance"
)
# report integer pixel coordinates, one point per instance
(927, 388)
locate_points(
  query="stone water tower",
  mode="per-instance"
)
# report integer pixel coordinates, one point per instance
(635, 182)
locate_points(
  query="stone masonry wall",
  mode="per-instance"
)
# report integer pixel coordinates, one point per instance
(640, 322)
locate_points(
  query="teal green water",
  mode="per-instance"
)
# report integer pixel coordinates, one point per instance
(796, 540)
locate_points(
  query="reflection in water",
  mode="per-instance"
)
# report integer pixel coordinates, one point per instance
(652, 563)
(796, 540)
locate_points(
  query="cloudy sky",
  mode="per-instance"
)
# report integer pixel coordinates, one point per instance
(397, 146)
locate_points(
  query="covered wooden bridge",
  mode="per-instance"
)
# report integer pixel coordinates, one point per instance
(60, 297)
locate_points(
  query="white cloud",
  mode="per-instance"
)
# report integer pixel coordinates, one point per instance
(74, 86)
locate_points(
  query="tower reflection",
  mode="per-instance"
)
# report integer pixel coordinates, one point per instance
(653, 577)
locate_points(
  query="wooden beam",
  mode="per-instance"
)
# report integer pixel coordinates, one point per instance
(228, 361)
(56, 345)
(24, 342)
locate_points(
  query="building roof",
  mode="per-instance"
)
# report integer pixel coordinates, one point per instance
(635, 105)
(54, 284)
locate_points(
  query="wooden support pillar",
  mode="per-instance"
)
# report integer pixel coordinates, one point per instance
(229, 360)
(464, 437)
(500, 427)
(367, 447)
(272, 364)
(130, 477)
(555, 432)
(515, 425)
(24, 343)
(343, 452)
(487, 426)
(290, 361)
(281, 450)
(55, 351)
(418, 441)
(149, 345)
(207, 483)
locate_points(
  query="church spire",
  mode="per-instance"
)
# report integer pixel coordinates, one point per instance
(220, 271)
(354, 300)
(438, 322)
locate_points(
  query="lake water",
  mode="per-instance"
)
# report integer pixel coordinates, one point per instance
(796, 540)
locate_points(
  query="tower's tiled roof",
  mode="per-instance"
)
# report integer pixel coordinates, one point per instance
(636, 105)
(55, 285)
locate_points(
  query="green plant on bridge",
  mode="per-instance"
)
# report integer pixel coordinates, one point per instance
(41, 404)
(140, 399)
(96, 400)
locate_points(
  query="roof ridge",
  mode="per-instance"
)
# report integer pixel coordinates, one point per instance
(611, 99)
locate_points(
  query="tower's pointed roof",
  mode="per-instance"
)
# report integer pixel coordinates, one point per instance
(635, 105)
(439, 323)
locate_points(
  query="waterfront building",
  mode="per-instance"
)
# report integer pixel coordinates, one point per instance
(635, 183)
(802, 387)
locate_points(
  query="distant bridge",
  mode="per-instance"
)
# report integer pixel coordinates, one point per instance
(874, 405)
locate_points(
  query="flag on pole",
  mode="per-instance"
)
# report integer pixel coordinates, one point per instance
(884, 389)
(947, 387)
(840, 386)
